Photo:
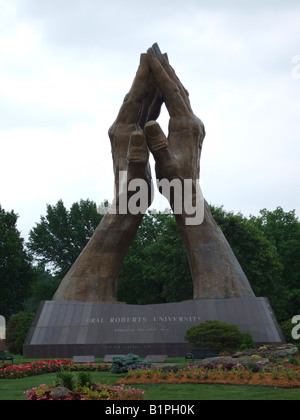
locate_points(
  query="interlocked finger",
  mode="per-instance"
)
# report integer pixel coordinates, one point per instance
(173, 92)
(163, 58)
(131, 108)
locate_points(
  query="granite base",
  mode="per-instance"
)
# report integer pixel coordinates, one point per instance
(64, 329)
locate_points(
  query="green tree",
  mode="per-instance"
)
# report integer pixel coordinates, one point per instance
(257, 255)
(16, 274)
(61, 235)
(17, 330)
(43, 288)
(287, 328)
(170, 264)
(135, 286)
(156, 268)
(282, 229)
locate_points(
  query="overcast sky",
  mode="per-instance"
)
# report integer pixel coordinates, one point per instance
(66, 65)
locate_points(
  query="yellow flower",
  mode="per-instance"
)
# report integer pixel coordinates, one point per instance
(263, 348)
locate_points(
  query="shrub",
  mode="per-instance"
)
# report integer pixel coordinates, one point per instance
(287, 328)
(84, 379)
(17, 330)
(67, 380)
(215, 334)
(2, 344)
(73, 381)
(248, 342)
(121, 364)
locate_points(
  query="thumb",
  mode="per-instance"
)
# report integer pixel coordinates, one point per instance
(156, 139)
(138, 153)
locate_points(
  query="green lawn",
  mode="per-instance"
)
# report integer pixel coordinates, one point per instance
(196, 392)
(13, 389)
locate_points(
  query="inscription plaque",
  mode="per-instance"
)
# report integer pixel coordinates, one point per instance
(62, 328)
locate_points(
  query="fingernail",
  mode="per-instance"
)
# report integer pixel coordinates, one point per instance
(152, 129)
(137, 138)
(156, 50)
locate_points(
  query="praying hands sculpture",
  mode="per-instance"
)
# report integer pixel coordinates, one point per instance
(215, 270)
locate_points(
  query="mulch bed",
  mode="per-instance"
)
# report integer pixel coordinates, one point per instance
(267, 379)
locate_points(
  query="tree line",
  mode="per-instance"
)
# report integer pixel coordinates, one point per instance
(156, 268)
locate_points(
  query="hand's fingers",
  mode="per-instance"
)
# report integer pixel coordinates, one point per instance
(156, 139)
(138, 153)
(175, 103)
(131, 107)
(149, 96)
(155, 108)
(164, 60)
(152, 103)
(183, 92)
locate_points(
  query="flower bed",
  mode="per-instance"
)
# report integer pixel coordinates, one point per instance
(96, 392)
(8, 371)
(277, 374)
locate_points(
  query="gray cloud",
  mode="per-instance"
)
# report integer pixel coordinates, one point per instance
(119, 24)
(233, 56)
(15, 116)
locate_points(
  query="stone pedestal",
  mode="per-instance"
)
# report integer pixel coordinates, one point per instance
(64, 328)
